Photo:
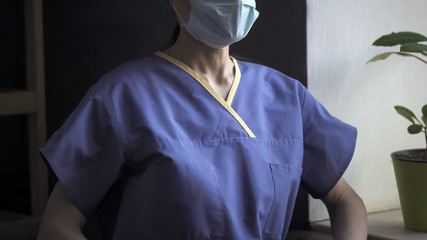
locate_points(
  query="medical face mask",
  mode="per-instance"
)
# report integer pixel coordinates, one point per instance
(219, 23)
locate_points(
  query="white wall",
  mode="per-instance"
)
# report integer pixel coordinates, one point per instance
(340, 34)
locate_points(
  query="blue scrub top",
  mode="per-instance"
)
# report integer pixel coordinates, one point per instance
(153, 152)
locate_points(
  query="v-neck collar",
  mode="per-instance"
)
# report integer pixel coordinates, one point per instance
(225, 103)
(203, 82)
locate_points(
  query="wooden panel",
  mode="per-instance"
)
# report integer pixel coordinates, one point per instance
(38, 170)
(36, 123)
(16, 226)
(18, 102)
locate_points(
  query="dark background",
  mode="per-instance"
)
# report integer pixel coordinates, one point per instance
(14, 173)
(86, 39)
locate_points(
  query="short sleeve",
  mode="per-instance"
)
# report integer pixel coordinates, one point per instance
(86, 153)
(328, 147)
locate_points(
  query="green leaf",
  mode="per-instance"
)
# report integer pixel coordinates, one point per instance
(406, 113)
(414, 129)
(424, 110)
(424, 53)
(424, 117)
(405, 54)
(382, 56)
(399, 38)
(413, 47)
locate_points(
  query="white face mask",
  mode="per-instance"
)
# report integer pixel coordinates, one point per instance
(219, 23)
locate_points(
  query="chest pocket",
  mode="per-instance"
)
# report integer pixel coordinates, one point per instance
(286, 180)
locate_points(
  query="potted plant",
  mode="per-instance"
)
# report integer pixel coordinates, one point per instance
(410, 166)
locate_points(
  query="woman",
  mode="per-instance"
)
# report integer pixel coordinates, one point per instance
(193, 144)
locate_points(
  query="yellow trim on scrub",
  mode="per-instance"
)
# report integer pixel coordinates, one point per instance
(205, 84)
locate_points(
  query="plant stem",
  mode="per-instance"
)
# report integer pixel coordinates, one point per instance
(411, 55)
(425, 131)
(419, 122)
(422, 60)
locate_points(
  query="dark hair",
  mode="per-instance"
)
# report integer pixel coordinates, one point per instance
(173, 38)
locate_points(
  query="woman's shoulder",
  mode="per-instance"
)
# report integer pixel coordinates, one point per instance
(135, 77)
(139, 72)
(262, 74)
(132, 70)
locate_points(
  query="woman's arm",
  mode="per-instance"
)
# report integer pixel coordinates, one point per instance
(347, 212)
(61, 219)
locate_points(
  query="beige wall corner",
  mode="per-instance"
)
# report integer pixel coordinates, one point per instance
(340, 34)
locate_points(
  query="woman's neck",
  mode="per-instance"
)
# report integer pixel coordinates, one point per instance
(214, 65)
